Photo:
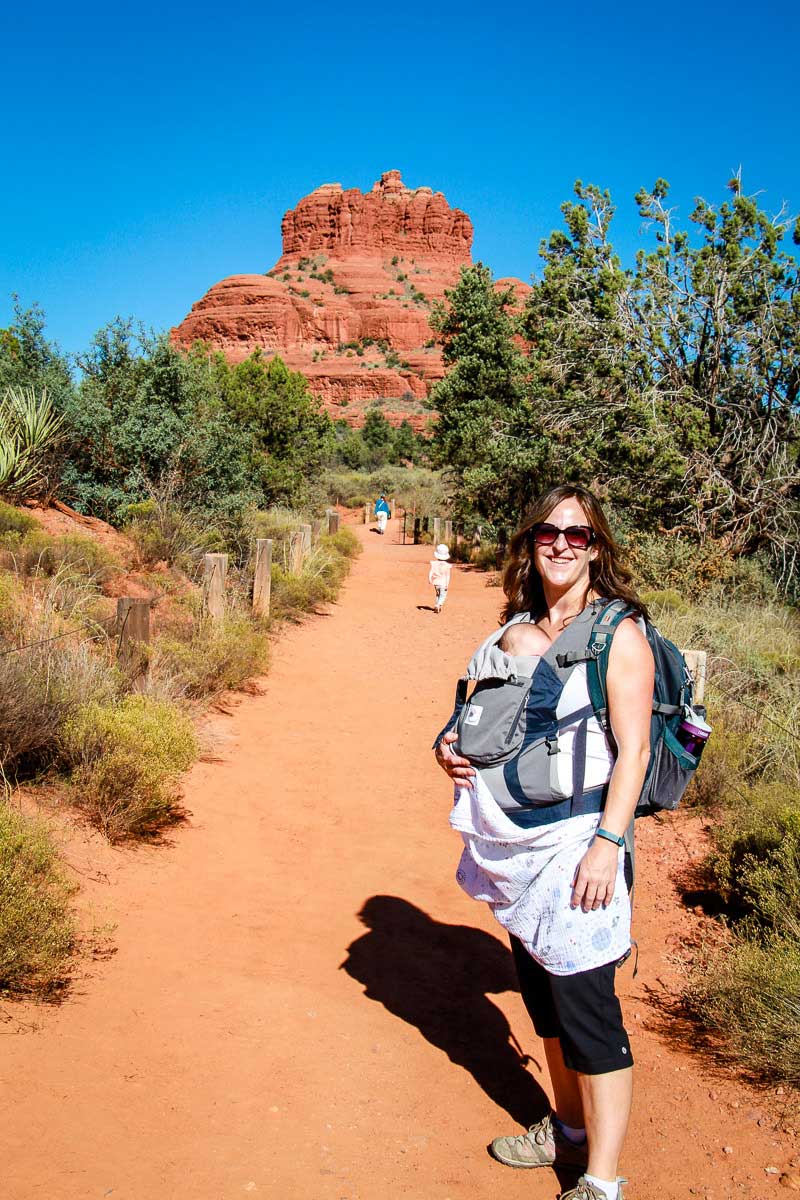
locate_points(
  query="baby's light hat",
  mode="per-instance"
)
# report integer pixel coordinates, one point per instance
(441, 551)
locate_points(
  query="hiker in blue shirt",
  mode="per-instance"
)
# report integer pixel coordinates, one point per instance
(382, 512)
(564, 861)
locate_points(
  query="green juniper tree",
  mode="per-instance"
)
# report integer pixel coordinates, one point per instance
(716, 315)
(488, 435)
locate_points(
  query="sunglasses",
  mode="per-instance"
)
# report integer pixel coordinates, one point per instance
(577, 537)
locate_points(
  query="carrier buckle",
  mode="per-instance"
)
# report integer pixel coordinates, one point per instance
(552, 745)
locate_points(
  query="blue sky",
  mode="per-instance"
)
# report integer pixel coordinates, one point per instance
(151, 150)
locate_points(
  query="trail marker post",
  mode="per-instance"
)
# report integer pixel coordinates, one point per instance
(333, 521)
(215, 572)
(262, 579)
(366, 514)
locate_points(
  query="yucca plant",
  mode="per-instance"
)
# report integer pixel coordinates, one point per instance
(17, 472)
(29, 429)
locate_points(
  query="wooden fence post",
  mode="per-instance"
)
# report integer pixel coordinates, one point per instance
(448, 532)
(502, 546)
(366, 514)
(392, 506)
(696, 662)
(133, 632)
(316, 530)
(333, 522)
(417, 530)
(296, 552)
(305, 539)
(215, 571)
(437, 530)
(262, 579)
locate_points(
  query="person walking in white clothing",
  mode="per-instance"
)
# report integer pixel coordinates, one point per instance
(439, 574)
(382, 512)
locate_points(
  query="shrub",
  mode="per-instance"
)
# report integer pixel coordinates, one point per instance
(36, 928)
(40, 689)
(163, 532)
(12, 610)
(37, 552)
(344, 542)
(693, 571)
(756, 862)
(14, 520)
(747, 996)
(126, 761)
(216, 655)
(485, 557)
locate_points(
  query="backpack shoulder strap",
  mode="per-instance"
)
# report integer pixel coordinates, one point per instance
(597, 651)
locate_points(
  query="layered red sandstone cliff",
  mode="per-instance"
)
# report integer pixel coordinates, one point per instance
(348, 303)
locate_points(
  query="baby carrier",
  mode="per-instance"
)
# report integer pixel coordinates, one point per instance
(512, 725)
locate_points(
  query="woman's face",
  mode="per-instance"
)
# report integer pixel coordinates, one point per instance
(561, 567)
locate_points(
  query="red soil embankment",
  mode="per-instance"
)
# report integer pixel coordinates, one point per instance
(254, 1036)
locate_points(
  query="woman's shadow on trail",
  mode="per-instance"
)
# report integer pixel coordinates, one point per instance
(438, 977)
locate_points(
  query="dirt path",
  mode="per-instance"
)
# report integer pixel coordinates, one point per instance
(255, 1035)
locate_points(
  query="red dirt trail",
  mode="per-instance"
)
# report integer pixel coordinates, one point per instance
(254, 1035)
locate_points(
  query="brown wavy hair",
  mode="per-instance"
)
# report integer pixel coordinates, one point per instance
(609, 577)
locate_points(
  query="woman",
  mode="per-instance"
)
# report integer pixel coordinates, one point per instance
(562, 563)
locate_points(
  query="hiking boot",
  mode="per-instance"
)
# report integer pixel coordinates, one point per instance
(584, 1190)
(544, 1145)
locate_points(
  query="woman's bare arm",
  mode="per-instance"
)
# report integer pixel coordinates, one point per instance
(630, 701)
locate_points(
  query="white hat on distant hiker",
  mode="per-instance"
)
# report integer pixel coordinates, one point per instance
(441, 551)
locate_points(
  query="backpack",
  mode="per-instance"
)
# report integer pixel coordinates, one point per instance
(671, 766)
(510, 725)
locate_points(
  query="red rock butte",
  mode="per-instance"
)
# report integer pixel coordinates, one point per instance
(348, 302)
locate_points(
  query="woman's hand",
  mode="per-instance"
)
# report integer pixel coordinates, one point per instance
(596, 876)
(459, 769)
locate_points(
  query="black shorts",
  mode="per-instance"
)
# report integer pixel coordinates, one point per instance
(581, 1010)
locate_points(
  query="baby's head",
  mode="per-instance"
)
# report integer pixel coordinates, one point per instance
(524, 638)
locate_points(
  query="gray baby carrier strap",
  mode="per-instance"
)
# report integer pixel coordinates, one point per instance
(534, 778)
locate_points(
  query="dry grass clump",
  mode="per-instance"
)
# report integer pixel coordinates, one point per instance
(36, 928)
(126, 761)
(212, 656)
(745, 995)
(40, 689)
(320, 579)
(753, 692)
(36, 552)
